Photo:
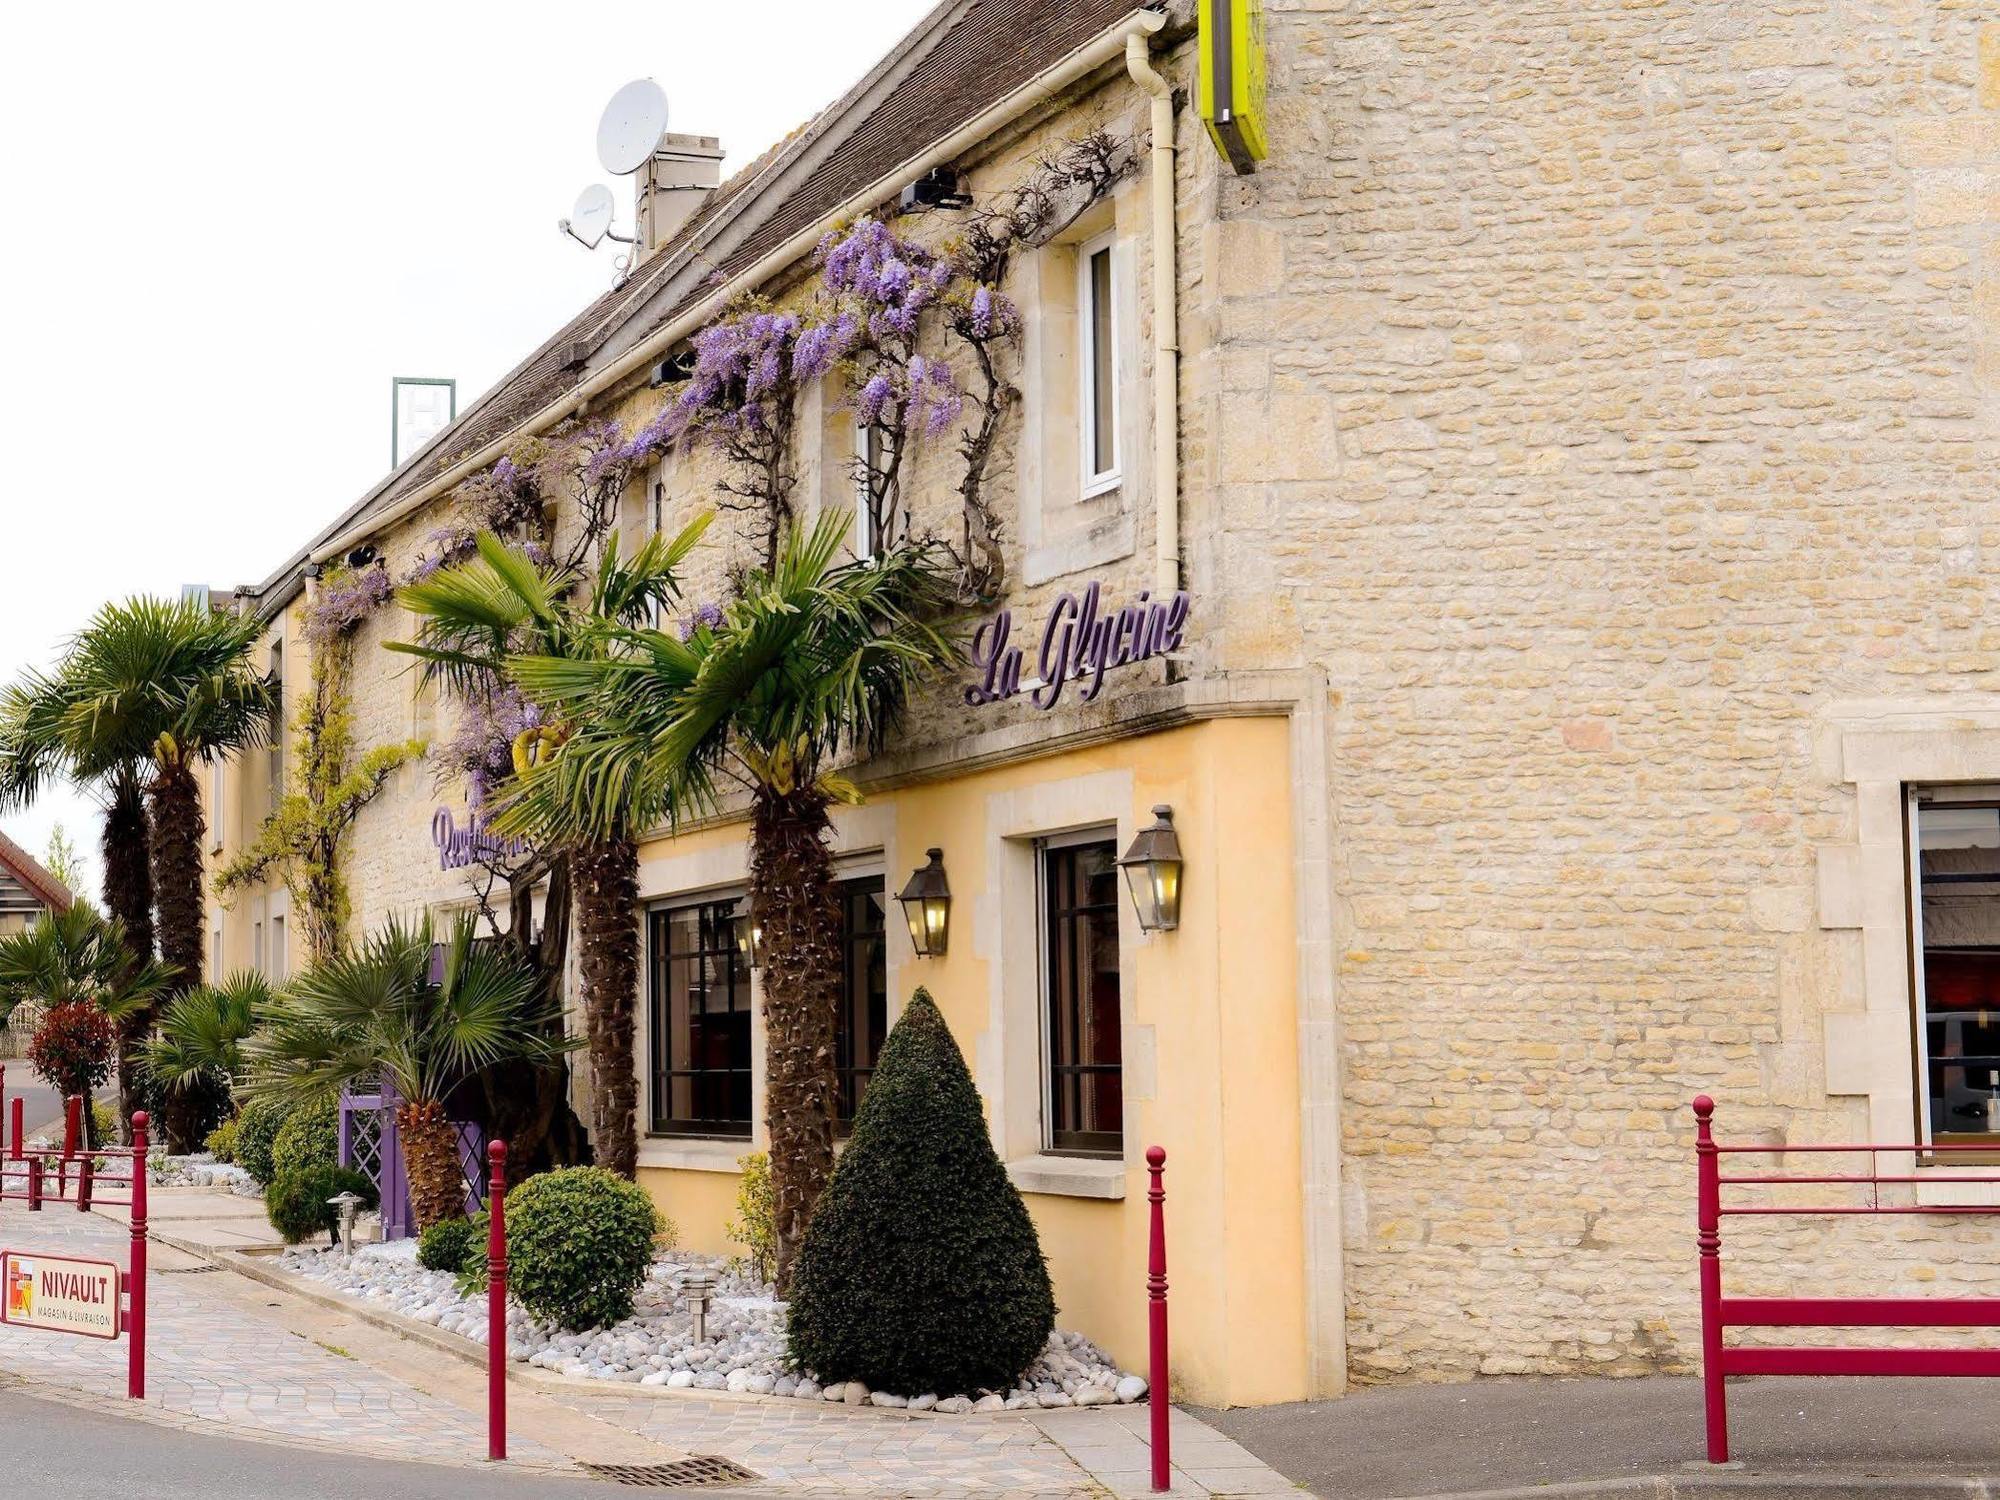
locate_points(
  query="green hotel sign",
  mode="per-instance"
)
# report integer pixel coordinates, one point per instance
(1232, 79)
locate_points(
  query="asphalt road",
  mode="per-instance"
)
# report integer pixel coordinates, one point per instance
(43, 1107)
(57, 1452)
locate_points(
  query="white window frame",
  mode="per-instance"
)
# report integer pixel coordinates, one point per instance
(1094, 480)
(276, 972)
(1101, 833)
(1915, 797)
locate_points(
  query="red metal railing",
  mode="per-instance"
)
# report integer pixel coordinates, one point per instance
(1719, 1312)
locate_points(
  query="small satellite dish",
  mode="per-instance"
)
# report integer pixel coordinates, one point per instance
(631, 127)
(591, 217)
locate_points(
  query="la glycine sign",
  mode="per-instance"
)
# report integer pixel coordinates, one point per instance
(472, 844)
(1081, 640)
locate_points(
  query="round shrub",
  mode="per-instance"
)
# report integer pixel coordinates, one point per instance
(445, 1245)
(221, 1142)
(310, 1137)
(920, 1270)
(579, 1242)
(296, 1202)
(256, 1132)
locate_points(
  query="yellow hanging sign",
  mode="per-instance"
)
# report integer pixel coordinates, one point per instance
(1232, 79)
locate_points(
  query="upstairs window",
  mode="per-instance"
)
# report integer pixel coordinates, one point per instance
(1955, 921)
(1097, 363)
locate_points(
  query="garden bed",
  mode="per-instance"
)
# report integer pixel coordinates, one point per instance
(744, 1350)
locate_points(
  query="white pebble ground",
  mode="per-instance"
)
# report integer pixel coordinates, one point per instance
(744, 1349)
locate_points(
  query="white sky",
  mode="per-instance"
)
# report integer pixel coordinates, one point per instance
(228, 225)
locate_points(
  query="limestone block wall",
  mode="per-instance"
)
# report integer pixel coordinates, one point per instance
(1606, 391)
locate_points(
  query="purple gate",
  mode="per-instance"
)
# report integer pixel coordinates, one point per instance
(369, 1144)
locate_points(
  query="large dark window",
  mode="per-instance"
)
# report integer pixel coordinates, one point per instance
(864, 993)
(1080, 943)
(700, 1022)
(1957, 849)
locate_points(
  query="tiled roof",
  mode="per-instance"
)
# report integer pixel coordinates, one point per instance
(989, 49)
(25, 868)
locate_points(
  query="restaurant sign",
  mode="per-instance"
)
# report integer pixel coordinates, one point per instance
(472, 844)
(60, 1294)
(1081, 640)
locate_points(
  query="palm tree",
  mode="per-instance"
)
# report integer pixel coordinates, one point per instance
(170, 681)
(39, 741)
(814, 661)
(77, 955)
(473, 617)
(424, 1021)
(199, 1044)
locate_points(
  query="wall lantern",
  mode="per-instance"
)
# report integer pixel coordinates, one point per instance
(749, 939)
(927, 906)
(1152, 868)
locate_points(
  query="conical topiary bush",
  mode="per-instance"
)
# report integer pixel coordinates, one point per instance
(920, 1271)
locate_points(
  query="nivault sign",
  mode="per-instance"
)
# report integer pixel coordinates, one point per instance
(58, 1293)
(1081, 640)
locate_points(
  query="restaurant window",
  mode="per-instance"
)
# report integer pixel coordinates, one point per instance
(1084, 1060)
(864, 993)
(699, 1026)
(1955, 916)
(1097, 329)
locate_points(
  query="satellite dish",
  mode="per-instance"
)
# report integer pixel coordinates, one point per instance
(591, 217)
(631, 127)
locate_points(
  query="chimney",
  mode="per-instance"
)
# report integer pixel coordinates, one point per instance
(672, 187)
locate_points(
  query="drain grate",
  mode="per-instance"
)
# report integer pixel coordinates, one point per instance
(702, 1471)
(184, 1270)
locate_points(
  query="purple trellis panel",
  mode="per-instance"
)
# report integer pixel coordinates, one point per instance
(387, 1171)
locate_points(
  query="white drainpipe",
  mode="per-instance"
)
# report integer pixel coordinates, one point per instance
(1166, 330)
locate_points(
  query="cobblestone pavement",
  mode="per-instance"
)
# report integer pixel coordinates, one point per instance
(206, 1360)
(218, 1361)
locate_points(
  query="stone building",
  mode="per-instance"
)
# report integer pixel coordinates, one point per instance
(1573, 442)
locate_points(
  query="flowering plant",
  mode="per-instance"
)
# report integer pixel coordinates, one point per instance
(73, 1047)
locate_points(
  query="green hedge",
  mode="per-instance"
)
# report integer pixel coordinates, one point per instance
(297, 1201)
(221, 1142)
(310, 1137)
(920, 1270)
(256, 1131)
(579, 1243)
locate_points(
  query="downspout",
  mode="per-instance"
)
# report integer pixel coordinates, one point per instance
(1166, 329)
(1080, 64)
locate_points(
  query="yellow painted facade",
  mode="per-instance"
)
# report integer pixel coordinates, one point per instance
(1210, 1029)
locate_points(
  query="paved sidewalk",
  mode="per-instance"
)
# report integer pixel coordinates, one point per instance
(229, 1356)
(1820, 1437)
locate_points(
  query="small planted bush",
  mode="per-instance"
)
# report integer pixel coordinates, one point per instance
(579, 1242)
(755, 1226)
(221, 1142)
(310, 1137)
(297, 1205)
(920, 1270)
(256, 1132)
(446, 1244)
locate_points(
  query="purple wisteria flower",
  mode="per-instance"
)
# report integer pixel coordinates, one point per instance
(345, 599)
(706, 616)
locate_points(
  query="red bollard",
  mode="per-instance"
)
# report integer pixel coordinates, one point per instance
(83, 1177)
(135, 1354)
(72, 1126)
(496, 1303)
(34, 1184)
(14, 1108)
(1156, 1323)
(1708, 1240)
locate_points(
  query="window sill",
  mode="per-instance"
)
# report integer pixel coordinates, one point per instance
(695, 1153)
(1068, 1176)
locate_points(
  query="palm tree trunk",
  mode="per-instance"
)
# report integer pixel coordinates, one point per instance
(175, 803)
(606, 878)
(792, 893)
(128, 895)
(430, 1158)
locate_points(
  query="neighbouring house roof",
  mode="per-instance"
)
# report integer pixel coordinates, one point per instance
(22, 876)
(963, 58)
